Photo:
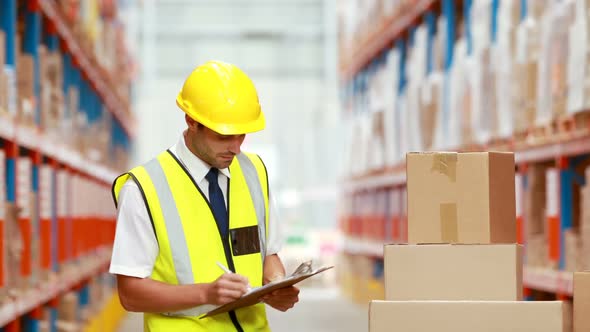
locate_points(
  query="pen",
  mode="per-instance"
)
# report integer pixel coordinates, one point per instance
(226, 270)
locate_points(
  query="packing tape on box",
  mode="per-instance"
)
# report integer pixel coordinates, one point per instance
(445, 163)
(448, 223)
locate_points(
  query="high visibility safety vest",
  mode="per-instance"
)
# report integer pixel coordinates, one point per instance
(189, 241)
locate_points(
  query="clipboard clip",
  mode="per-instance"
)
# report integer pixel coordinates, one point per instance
(303, 268)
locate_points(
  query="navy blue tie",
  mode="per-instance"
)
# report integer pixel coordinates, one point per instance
(217, 202)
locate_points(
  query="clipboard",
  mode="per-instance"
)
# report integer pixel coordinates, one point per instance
(253, 297)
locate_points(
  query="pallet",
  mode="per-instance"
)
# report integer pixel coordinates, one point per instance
(561, 129)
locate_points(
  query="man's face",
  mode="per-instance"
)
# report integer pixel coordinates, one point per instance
(215, 149)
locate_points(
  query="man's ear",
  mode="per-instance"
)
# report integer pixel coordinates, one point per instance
(192, 124)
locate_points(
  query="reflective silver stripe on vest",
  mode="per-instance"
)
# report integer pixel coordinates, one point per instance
(178, 246)
(251, 176)
(176, 239)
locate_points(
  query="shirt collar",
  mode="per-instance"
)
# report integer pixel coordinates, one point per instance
(195, 165)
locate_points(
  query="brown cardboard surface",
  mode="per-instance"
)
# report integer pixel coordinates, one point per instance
(582, 301)
(453, 272)
(481, 185)
(466, 316)
(502, 198)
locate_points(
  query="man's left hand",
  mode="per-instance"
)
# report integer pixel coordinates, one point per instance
(282, 299)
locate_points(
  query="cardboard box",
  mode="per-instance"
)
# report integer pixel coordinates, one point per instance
(581, 301)
(461, 197)
(453, 272)
(467, 316)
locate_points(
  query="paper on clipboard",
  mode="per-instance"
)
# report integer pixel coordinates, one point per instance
(303, 272)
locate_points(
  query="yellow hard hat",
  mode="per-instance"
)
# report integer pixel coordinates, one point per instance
(222, 98)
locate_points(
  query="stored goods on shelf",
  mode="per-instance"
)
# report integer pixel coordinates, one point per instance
(453, 272)
(64, 237)
(552, 217)
(509, 13)
(25, 87)
(13, 250)
(3, 78)
(26, 223)
(504, 75)
(5, 239)
(46, 195)
(468, 316)
(51, 102)
(461, 198)
(584, 227)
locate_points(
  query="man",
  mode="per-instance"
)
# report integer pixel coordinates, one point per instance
(198, 207)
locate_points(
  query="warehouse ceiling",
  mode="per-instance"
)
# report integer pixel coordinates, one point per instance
(266, 38)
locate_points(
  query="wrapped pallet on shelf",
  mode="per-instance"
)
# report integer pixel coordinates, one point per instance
(46, 195)
(25, 87)
(534, 215)
(460, 132)
(577, 63)
(551, 93)
(51, 82)
(390, 119)
(3, 78)
(504, 53)
(23, 201)
(528, 44)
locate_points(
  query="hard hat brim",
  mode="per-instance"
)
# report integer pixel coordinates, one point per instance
(227, 129)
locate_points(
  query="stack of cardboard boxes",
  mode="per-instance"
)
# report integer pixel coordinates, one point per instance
(461, 270)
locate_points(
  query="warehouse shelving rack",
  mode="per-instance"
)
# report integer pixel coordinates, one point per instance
(564, 152)
(23, 313)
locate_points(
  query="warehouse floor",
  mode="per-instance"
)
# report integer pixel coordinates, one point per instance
(319, 310)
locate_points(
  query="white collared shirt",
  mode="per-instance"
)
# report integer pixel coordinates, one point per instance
(135, 248)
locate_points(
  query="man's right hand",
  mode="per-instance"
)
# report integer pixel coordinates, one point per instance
(227, 288)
